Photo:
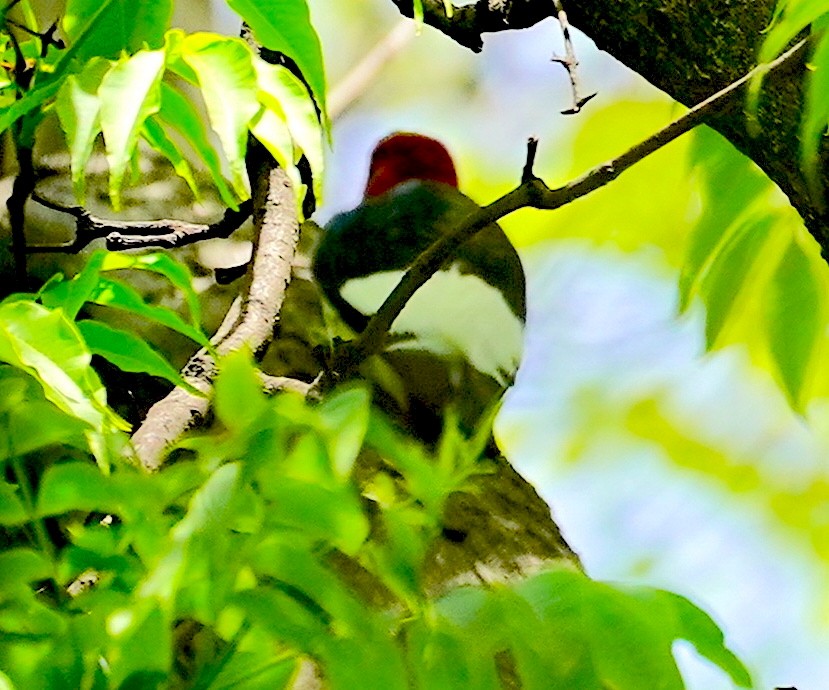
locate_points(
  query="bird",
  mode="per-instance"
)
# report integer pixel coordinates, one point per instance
(458, 340)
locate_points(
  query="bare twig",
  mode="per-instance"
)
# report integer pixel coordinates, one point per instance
(122, 235)
(24, 184)
(527, 173)
(533, 193)
(570, 63)
(351, 87)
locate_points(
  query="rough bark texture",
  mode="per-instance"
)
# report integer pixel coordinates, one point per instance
(690, 51)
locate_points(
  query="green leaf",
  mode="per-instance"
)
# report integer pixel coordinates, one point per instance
(282, 92)
(179, 113)
(154, 134)
(228, 84)
(34, 98)
(50, 83)
(285, 26)
(272, 130)
(128, 352)
(119, 26)
(346, 415)
(256, 669)
(78, 108)
(163, 264)
(628, 631)
(796, 314)
(334, 515)
(71, 295)
(22, 566)
(239, 399)
(731, 184)
(112, 293)
(791, 17)
(140, 646)
(726, 277)
(816, 110)
(75, 486)
(12, 511)
(129, 94)
(48, 346)
(36, 424)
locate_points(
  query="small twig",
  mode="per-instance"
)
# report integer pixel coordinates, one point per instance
(360, 77)
(24, 184)
(570, 63)
(122, 235)
(527, 173)
(533, 193)
(277, 384)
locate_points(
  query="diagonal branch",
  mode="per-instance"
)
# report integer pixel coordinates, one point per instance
(534, 193)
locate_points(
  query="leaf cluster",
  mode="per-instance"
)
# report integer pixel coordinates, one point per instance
(125, 76)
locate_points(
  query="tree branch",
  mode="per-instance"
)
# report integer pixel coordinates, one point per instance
(570, 63)
(534, 193)
(122, 235)
(467, 23)
(688, 50)
(250, 324)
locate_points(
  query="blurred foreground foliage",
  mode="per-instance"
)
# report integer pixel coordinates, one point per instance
(236, 563)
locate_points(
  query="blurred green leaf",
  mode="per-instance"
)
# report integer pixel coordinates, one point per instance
(12, 511)
(239, 399)
(730, 185)
(20, 567)
(816, 108)
(333, 515)
(140, 646)
(128, 352)
(796, 319)
(346, 415)
(728, 272)
(76, 486)
(629, 631)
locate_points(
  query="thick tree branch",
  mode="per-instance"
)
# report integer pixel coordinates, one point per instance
(250, 325)
(689, 50)
(534, 193)
(469, 22)
(122, 235)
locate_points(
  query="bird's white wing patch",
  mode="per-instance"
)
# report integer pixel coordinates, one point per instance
(453, 313)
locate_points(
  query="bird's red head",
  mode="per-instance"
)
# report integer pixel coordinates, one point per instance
(403, 156)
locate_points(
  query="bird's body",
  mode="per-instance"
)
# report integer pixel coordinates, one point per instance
(458, 340)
